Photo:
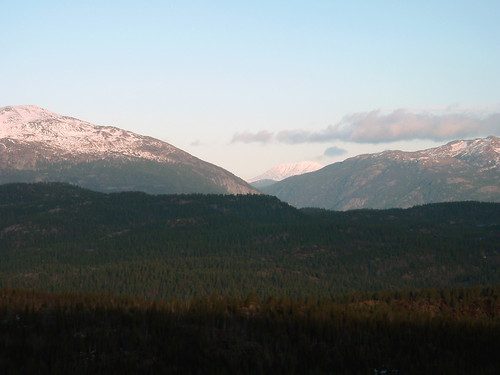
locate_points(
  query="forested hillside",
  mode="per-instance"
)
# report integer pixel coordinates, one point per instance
(58, 237)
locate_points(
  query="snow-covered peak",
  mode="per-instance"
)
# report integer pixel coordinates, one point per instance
(25, 113)
(69, 135)
(283, 171)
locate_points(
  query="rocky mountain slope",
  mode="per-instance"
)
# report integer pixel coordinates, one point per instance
(39, 145)
(459, 170)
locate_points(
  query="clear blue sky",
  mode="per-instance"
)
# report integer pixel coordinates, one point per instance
(248, 85)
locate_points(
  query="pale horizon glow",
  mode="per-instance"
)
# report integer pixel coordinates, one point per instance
(248, 86)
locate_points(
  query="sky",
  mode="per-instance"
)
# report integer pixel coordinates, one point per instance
(248, 85)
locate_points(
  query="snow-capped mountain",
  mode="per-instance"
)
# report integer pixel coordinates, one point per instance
(74, 138)
(460, 170)
(39, 145)
(282, 171)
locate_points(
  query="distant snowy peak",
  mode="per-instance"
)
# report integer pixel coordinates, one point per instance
(31, 124)
(283, 171)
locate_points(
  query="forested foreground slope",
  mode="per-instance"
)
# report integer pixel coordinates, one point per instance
(58, 237)
(449, 331)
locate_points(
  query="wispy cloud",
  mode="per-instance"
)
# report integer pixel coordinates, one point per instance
(377, 127)
(262, 136)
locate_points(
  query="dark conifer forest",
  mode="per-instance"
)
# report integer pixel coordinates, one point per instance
(136, 283)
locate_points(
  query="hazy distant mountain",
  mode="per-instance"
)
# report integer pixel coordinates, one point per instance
(38, 145)
(282, 171)
(460, 170)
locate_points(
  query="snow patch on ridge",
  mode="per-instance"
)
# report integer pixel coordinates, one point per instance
(458, 146)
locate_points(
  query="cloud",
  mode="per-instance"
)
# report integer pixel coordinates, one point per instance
(262, 136)
(401, 124)
(334, 151)
(302, 136)
(374, 127)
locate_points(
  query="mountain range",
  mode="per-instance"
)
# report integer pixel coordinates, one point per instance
(39, 145)
(458, 171)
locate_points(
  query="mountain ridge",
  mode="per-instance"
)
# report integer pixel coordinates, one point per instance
(459, 170)
(40, 145)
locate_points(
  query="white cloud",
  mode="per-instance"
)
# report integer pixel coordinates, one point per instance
(398, 125)
(374, 127)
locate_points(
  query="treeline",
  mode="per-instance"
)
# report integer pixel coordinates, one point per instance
(58, 237)
(434, 331)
